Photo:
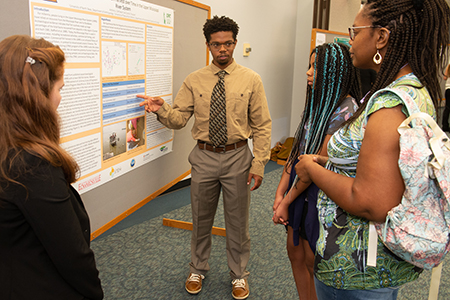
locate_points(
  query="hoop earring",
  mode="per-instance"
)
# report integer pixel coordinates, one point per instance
(377, 57)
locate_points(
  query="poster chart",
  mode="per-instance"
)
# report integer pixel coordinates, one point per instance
(115, 50)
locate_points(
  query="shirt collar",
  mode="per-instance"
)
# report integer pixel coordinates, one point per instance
(215, 69)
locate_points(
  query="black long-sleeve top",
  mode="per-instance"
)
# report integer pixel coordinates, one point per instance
(45, 238)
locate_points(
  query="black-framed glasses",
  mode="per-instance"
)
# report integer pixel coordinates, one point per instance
(351, 30)
(218, 46)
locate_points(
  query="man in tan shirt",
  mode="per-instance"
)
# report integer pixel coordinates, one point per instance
(230, 167)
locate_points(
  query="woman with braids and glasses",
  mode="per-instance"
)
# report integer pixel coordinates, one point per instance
(44, 228)
(333, 91)
(404, 42)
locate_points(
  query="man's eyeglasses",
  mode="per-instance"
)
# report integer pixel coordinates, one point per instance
(351, 30)
(218, 46)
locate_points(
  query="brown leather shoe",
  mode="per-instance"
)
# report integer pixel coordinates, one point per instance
(193, 283)
(240, 289)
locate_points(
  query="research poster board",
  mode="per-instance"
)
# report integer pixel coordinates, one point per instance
(115, 50)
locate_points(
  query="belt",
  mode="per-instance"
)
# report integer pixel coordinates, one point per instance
(221, 148)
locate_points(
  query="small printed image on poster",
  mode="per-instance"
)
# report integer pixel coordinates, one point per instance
(135, 133)
(114, 137)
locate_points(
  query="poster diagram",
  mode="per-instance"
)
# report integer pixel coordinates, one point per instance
(114, 59)
(136, 59)
(115, 50)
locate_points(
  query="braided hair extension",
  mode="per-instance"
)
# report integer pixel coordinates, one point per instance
(335, 77)
(418, 37)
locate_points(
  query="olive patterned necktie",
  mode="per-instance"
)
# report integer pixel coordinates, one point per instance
(218, 113)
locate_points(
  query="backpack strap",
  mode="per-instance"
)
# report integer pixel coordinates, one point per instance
(372, 247)
(434, 282)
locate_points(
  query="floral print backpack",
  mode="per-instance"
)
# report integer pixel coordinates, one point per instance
(417, 230)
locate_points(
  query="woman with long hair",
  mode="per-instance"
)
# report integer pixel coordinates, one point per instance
(404, 41)
(44, 227)
(333, 92)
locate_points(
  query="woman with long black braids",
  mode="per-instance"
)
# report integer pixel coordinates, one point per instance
(405, 42)
(333, 93)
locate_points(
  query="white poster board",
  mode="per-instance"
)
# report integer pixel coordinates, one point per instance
(115, 50)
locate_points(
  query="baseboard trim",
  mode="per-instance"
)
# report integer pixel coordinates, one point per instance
(179, 185)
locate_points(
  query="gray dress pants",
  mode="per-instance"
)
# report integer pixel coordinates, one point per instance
(212, 172)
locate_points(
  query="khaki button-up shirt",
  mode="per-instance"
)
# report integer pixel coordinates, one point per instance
(247, 111)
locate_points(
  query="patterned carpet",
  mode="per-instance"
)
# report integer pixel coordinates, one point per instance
(140, 259)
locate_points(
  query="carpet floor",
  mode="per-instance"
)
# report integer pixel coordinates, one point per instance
(140, 259)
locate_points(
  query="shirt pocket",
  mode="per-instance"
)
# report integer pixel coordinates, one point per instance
(239, 103)
(202, 103)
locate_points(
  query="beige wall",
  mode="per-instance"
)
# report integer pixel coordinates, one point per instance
(342, 14)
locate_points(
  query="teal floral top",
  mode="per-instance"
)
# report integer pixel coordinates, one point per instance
(343, 241)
